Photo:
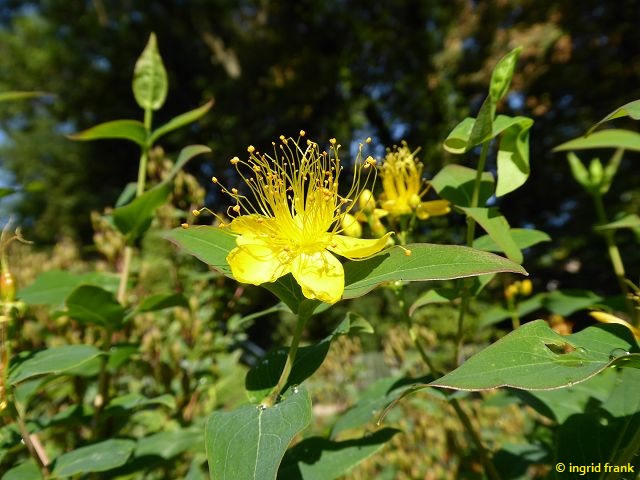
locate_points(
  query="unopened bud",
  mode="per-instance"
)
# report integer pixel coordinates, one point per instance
(7, 287)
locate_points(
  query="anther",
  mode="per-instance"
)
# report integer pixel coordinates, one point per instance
(251, 149)
(195, 212)
(302, 133)
(368, 140)
(234, 191)
(236, 208)
(235, 161)
(185, 225)
(214, 179)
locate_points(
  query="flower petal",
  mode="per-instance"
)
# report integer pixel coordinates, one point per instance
(320, 275)
(350, 247)
(253, 225)
(256, 263)
(433, 208)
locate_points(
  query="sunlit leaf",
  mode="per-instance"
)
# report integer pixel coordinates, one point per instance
(98, 457)
(54, 360)
(249, 442)
(523, 238)
(614, 138)
(628, 221)
(456, 183)
(513, 152)
(53, 287)
(502, 74)
(124, 129)
(498, 229)
(150, 82)
(517, 359)
(631, 109)
(426, 262)
(135, 218)
(180, 121)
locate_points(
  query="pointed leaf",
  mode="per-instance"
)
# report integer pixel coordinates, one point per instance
(249, 442)
(628, 221)
(482, 130)
(613, 138)
(317, 458)
(426, 262)
(169, 444)
(186, 154)
(513, 152)
(27, 470)
(502, 74)
(631, 109)
(523, 238)
(180, 121)
(135, 218)
(456, 142)
(498, 229)
(518, 359)
(53, 360)
(53, 287)
(99, 457)
(93, 305)
(264, 376)
(125, 129)
(208, 244)
(150, 82)
(455, 183)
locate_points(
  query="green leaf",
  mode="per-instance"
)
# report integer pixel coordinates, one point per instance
(502, 74)
(249, 442)
(180, 121)
(566, 302)
(523, 238)
(54, 360)
(518, 359)
(150, 82)
(426, 262)
(20, 95)
(93, 305)
(135, 218)
(186, 154)
(456, 183)
(613, 138)
(168, 444)
(53, 287)
(513, 152)
(498, 229)
(99, 457)
(159, 301)
(372, 402)
(439, 295)
(482, 130)
(208, 244)
(456, 142)
(135, 400)
(124, 129)
(497, 314)
(264, 376)
(28, 470)
(628, 221)
(631, 109)
(317, 458)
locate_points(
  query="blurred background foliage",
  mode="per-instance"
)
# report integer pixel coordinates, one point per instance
(349, 69)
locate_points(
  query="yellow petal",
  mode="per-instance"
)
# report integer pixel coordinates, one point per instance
(604, 317)
(350, 247)
(253, 225)
(320, 275)
(350, 225)
(256, 263)
(433, 208)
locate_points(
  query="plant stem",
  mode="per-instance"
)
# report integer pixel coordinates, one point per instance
(463, 284)
(272, 399)
(33, 445)
(614, 256)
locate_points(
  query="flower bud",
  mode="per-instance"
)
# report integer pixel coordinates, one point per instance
(7, 287)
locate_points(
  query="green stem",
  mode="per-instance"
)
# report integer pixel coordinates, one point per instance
(34, 448)
(272, 399)
(614, 256)
(513, 310)
(463, 284)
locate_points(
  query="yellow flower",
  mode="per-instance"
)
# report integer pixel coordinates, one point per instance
(297, 218)
(404, 186)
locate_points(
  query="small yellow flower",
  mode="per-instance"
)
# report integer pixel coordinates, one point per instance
(297, 218)
(404, 186)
